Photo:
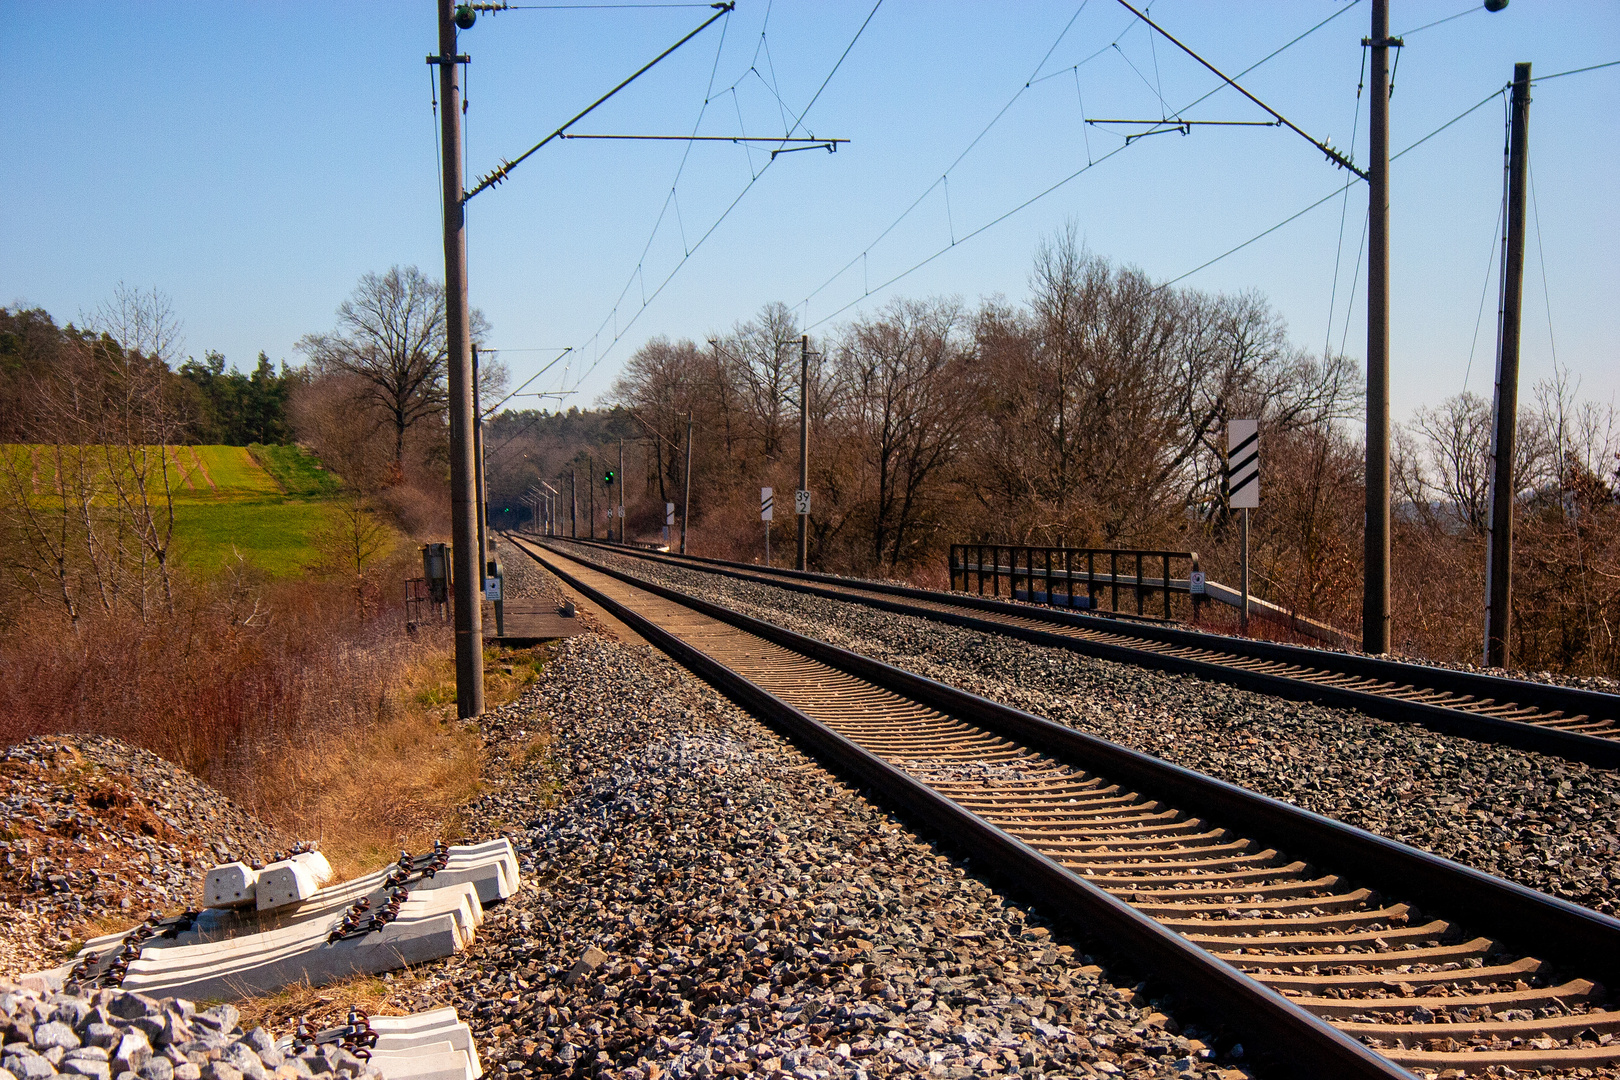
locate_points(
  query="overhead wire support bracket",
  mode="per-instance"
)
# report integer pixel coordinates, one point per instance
(829, 145)
(1195, 123)
(1332, 154)
(1160, 127)
(504, 5)
(506, 167)
(1159, 130)
(813, 143)
(459, 58)
(549, 365)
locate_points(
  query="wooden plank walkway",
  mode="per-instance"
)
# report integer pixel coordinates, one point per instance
(529, 621)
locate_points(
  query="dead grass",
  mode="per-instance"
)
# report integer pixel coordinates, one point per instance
(507, 672)
(393, 785)
(328, 1006)
(399, 783)
(327, 725)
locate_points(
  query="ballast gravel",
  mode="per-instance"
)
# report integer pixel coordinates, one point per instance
(95, 830)
(704, 900)
(1541, 821)
(114, 1035)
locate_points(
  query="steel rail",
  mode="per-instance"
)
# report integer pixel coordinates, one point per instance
(1552, 929)
(1228, 660)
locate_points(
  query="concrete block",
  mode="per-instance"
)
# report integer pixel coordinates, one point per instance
(435, 926)
(49, 981)
(230, 885)
(283, 883)
(399, 944)
(289, 914)
(291, 881)
(422, 1021)
(458, 1035)
(435, 1062)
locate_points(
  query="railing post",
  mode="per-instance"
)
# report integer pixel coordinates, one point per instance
(1091, 581)
(1139, 583)
(1166, 586)
(1113, 575)
(1197, 599)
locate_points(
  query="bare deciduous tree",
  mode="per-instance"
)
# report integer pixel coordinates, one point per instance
(390, 338)
(353, 539)
(902, 376)
(763, 355)
(89, 506)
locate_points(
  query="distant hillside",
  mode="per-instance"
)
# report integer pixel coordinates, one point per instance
(267, 504)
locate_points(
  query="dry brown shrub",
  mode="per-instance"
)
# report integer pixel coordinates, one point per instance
(328, 725)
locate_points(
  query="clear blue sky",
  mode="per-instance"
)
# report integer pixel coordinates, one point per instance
(252, 160)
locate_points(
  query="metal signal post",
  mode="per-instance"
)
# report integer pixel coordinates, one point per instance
(466, 570)
(804, 450)
(686, 498)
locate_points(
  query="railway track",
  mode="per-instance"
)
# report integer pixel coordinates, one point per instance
(1581, 725)
(1337, 952)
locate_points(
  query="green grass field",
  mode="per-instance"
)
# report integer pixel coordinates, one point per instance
(276, 536)
(297, 470)
(268, 505)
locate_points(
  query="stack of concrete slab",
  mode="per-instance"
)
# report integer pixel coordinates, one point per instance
(272, 930)
(434, 1045)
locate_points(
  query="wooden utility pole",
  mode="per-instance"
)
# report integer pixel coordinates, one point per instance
(466, 569)
(1375, 590)
(686, 499)
(1499, 544)
(804, 448)
(573, 501)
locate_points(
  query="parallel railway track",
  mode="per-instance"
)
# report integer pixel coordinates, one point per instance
(1338, 952)
(1581, 725)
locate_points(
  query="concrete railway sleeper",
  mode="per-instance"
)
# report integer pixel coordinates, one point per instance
(1325, 945)
(1580, 725)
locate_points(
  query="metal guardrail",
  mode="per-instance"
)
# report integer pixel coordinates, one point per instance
(1049, 575)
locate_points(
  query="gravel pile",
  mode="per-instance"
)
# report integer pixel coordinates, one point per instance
(95, 829)
(1544, 822)
(113, 1035)
(703, 900)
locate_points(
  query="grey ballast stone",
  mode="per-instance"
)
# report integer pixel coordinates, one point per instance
(54, 1034)
(29, 1067)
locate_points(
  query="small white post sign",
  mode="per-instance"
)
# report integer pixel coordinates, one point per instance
(766, 505)
(492, 589)
(801, 501)
(669, 513)
(1195, 582)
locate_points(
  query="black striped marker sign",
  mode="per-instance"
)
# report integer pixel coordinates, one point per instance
(1243, 464)
(766, 504)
